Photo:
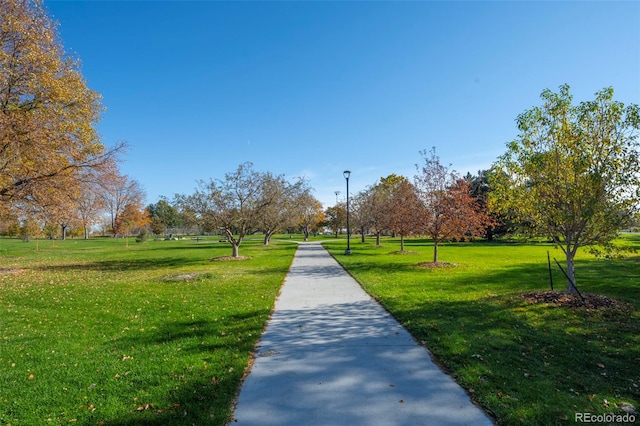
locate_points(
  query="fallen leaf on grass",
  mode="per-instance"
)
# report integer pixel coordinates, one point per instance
(144, 407)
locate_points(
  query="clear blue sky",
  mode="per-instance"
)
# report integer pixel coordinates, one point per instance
(314, 88)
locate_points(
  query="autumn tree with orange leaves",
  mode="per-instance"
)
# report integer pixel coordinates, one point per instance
(450, 211)
(48, 138)
(133, 216)
(405, 210)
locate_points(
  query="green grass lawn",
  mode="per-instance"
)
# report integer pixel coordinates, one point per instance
(524, 363)
(93, 332)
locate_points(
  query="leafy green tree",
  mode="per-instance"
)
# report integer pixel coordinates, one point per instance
(163, 216)
(336, 218)
(573, 172)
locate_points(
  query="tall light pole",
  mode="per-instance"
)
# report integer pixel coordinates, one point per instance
(346, 175)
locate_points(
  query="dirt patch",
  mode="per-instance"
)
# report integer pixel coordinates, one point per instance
(10, 271)
(564, 299)
(222, 258)
(186, 277)
(437, 265)
(404, 252)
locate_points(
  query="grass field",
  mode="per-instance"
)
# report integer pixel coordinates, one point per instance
(92, 332)
(524, 363)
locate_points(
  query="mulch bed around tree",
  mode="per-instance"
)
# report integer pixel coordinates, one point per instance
(435, 265)
(180, 277)
(564, 299)
(216, 259)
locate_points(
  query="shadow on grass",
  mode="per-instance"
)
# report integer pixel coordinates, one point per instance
(525, 363)
(141, 264)
(189, 395)
(531, 363)
(121, 265)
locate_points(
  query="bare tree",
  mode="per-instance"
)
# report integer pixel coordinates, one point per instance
(119, 192)
(89, 205)
(234, 205)
(279, 203)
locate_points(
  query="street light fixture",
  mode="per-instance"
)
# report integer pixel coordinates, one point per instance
(346, 175)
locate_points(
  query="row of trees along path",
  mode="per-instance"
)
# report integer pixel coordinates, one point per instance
(572, 174)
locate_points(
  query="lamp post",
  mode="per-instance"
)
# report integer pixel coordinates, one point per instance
(346, 175)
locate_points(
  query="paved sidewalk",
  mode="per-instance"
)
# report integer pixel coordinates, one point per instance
(332, 356)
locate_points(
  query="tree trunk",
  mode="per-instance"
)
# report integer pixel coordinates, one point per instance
(86, 232)
(267, 237)
(401, 243)
(571, 274)
(378, 239)
(435, 251)
(236, 249)
(362, 234)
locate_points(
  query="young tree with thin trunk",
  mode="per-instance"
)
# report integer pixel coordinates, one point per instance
(336, 218)
(308, 213)
(405, 210)
(573, 172)
(359, 214)
(132, 217)
(376, 206)
(450, 211)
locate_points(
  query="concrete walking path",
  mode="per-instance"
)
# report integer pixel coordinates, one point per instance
(333, 356)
